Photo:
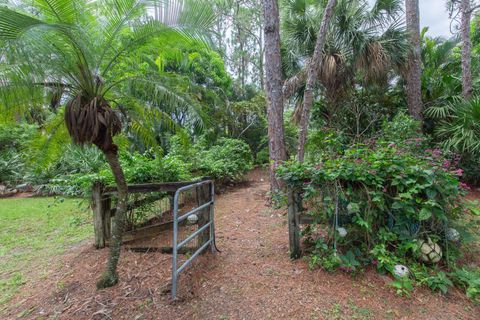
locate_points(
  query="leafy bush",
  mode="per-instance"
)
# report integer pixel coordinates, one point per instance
(469, 280)
(226, 161)
(401, 130)
(457, 129)
(137, 169)
(13, 138)
(11, 168)
(380, 201)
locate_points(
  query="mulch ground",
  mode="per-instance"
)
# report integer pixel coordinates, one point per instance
(251, 278)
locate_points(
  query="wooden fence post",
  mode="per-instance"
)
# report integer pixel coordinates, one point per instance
(101, 215)
(294, 204)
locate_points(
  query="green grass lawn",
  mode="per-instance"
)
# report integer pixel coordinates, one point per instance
(32, 230)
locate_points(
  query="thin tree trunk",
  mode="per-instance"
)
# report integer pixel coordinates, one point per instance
(273, 85)
(312, 72)
(414, 72)
(466, 12)
(110, 276)
(261, 61)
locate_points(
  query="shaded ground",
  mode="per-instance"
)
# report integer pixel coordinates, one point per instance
(252, 278)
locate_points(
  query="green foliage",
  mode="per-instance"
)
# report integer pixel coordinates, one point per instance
(15, 136)
(469, 280)
(228, 160)
(387, 194)
(137, 168)
(457, 129)
(13, 141)
(438, 282)
(404, 286)
(402, 130)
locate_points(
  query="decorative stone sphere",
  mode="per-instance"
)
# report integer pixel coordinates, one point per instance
(192, 219)
(342, 232)
(430, 251)
(400, 270)
(452, 235)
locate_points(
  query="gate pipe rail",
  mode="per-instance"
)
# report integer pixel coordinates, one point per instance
(176, 219)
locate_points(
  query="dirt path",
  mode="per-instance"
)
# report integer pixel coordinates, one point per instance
(252, 278)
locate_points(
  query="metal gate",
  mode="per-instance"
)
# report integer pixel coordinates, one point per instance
(201, 228)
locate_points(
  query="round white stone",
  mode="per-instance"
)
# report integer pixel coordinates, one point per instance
(192, 219)
(452, 235)
(400, 270)
(342, 232)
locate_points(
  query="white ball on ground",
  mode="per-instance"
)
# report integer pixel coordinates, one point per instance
(192, 219)
(452, 235)
(342, 232)
(430, 251)
(400, 270)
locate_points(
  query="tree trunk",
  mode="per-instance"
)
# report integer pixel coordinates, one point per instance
(273, 85)
(110, 276)
(466, 13)
(312, 72)
(414, 72)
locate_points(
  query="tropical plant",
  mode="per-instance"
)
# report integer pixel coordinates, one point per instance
(376, 201)
(440, 73)
(75, 51)
(458, 127)
(363, 44)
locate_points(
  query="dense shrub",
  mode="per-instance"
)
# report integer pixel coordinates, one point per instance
(381, 202)
(137, 169)
(11, 168)
(13, 138)
(226, 161)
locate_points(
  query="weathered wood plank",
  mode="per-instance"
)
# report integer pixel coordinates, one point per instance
(293, 224)
(140, 202)
(98, 221)
(304, 218)
(151, 187)
(166, 250)
(149, 231)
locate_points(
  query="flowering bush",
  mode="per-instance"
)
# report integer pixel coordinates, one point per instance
(375, 204)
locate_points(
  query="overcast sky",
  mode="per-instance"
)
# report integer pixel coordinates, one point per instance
(433, 14)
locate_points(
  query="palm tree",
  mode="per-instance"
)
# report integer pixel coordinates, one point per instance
(314, 66)
(440, 74)
(364, 45)
(78, 50)
(458, 127)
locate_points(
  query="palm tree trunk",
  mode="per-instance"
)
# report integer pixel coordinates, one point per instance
(110, 276)
(466, 12)
(312, 72)
(273, 86)
(414, 72)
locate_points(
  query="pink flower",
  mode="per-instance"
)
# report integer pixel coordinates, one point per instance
(464, 186)
(437, 152)
(446, 163)
(458, 172)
